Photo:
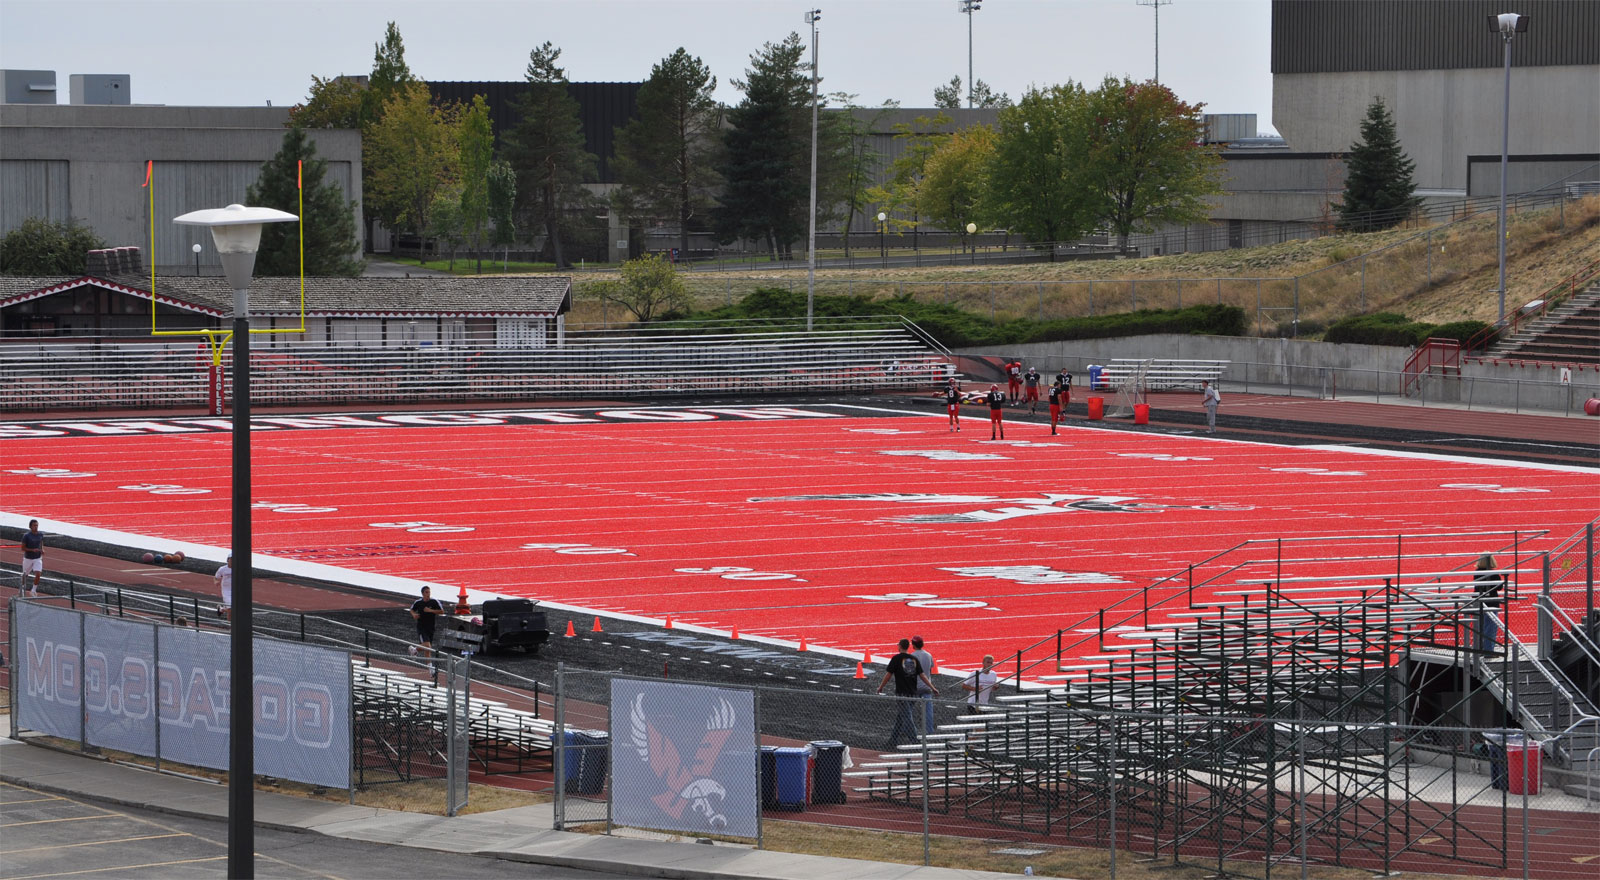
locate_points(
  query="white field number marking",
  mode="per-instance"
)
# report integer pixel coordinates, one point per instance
(740, 573)
(926, 600)
(578, 549)
(55, 473)
(275, 507)
(420, 526)
(1491, 487)
(1160, 456)
(164, 489)
(1321, 472)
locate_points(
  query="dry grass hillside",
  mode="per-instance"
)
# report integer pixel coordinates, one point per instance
(1457, 281)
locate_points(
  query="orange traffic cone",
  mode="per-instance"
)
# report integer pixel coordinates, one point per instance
(570, 631)
(934, 669)
(803, 644)
(735, 633)
(859, 672)
(596, 627)
(669, 621)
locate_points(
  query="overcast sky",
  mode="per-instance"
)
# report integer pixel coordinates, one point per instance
(244, 52)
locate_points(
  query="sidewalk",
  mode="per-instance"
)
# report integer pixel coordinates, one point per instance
(522, 834)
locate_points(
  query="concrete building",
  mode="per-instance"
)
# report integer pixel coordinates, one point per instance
(87, 163)
(1439, 69)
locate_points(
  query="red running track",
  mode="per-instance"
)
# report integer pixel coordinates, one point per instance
(847, 526)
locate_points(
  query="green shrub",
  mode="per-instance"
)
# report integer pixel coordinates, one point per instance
(1383, 328)
(1461, 331)
(956, 328)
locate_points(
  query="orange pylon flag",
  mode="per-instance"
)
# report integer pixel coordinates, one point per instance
(596, 627)
(570, 631)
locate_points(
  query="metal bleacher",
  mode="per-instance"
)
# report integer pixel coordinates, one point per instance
(856, 354)
(1188, 729)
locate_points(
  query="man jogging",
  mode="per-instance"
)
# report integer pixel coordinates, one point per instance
(32, 557)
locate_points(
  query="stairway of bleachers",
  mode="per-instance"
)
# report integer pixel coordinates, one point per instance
(1569, 334)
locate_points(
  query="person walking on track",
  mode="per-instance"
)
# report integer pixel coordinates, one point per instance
(997, 402)
(426, 612)
(224, 579)
(906, 670)
(32, 557)
(1211, 400)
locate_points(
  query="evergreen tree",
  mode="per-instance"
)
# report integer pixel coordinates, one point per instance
(766, 162)
(547, 150)
(328, 221)
(1378, 189)
(949, 96)
(390, 74)
(665, 154)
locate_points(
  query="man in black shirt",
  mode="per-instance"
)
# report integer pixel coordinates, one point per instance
(1030, 385)
(997, 402)
(1055, 405)
(1488, 584)
(425, 612)
(906, 671)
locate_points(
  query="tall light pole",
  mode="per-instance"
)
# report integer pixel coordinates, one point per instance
(1156, 4)
(967, 7)
(236, 230)
(812, 15)
(1507, 25)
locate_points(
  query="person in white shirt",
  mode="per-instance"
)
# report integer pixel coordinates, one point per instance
(224, 578)
(980, 685)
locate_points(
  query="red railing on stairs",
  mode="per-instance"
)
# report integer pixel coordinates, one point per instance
(1444, 353)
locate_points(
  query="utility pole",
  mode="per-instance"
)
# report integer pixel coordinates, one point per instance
(967, 7)
(1156, 5)
(811, 216)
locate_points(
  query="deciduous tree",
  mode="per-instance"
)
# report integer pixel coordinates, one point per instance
(327, 220)
(475, 135)
(950, 95)
(846, 161)
(955, 185)
(547, 149)
(1146, 159)
(412, 153)
(42, 247)
(897, 197)
(650, 287)
(666, 154)
(1039, 181)
(1379, 191)
(502, 205)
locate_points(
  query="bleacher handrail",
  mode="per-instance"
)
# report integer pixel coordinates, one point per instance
(1553, 296)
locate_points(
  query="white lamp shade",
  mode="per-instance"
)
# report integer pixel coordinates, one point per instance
(242, 238)
(971, 228)
(882, 216)
(236, 229)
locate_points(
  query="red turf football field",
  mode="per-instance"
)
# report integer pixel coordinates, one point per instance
(848, 527)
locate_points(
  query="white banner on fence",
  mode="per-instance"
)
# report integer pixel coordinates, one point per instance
(49, 670)
(113, 692)
(684, 758)
(118, 687)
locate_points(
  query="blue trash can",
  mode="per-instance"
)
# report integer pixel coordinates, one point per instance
(1094, 377)
(792, 773)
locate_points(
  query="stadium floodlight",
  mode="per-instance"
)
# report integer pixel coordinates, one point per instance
(967, 7)
(1507, 25)
(812, 17)
(236, 230)
(1156, 5)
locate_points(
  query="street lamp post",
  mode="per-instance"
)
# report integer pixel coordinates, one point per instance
(1507, 25)
(972, 228)
(812, 16)
(196, 248)
(883, 253)
(236, 231)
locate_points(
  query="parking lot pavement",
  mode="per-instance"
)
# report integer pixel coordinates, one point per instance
(46, 835)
